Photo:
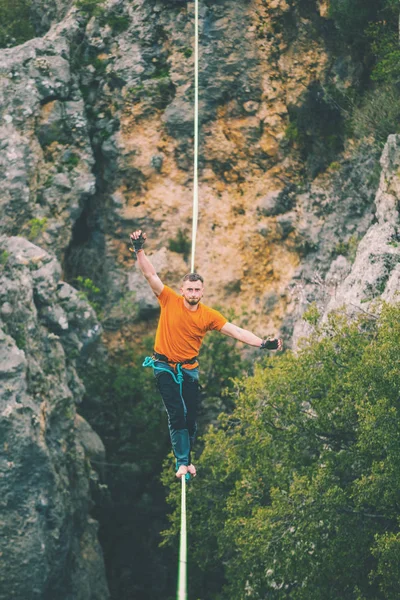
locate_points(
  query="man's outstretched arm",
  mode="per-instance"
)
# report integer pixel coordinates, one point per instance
(138, 238)
(247, 337)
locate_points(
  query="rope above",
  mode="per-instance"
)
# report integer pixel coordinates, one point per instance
(196, 135)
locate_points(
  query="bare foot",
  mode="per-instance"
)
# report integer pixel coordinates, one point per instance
(183, 469)
(192, 470)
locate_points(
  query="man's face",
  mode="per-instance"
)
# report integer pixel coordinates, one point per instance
(192, 291)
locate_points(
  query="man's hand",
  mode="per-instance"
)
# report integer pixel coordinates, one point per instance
(272, 344)
(137, 240)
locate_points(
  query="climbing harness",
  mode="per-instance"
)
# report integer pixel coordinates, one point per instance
(165, 359)
(196, 133)
(149, 361)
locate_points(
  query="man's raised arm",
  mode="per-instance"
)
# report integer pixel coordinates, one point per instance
(138, 239)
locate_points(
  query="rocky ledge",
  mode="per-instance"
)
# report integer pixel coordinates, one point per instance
(48, 540)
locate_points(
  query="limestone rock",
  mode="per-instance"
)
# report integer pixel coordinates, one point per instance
(375, 270)
(45, 528)
(91, 442)
(46, 157)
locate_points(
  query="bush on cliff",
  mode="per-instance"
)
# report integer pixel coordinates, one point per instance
(299, 487)
(15, 22)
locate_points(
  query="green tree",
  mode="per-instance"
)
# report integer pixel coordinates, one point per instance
(299, 487)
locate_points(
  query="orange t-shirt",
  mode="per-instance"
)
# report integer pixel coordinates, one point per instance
(180, 331)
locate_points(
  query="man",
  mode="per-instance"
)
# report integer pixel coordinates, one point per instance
(183, 323)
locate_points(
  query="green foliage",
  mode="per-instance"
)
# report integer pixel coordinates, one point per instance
(88, 291)
(15, 22)
(187, 52)
(335, 166)
(317, 128)
(37, 227)
(312, 315)
(180, 244)
(19, 335)
(118, 23)
(72, 161)
(352, 17)
(292, 133)
(161, 71)
(99, 64)
(4, 256)
(371, 28)
(299, 487)
(385, 47)
(110, 16)
(93, 8)
(348, 248)
(379, 114)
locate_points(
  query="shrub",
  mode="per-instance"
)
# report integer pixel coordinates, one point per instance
(378, 115)
(37, 227)
(4, 256)
(15, 22)
(180, 244)
(348, 248)
(317, 127)
(91, 7)
(88, 291)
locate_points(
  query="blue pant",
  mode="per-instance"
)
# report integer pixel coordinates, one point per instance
(181, 409)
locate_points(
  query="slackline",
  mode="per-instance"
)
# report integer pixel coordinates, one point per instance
(182, 567)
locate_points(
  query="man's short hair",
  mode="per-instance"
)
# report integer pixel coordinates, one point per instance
(193, 277)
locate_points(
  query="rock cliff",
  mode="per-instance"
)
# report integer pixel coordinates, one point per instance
(96, 120)
(48, 540)
(370, 270)
(99, 141)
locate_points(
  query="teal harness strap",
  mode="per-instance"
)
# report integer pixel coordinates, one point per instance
(178, 378)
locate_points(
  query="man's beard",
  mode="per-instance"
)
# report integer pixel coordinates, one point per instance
(194, 302)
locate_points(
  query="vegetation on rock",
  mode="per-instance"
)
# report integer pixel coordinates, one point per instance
(15, 22)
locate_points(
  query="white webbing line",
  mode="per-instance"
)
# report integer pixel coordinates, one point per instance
(182, 569)
(196, 133)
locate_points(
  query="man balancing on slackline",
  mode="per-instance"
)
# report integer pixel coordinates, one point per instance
(183, 323)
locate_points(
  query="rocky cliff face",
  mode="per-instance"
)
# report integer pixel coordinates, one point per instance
(95, 140)
(48, 541)
(369, 272)
(376, 271)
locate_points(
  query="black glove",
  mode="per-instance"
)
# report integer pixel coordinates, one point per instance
(270, 344)
(139, 243)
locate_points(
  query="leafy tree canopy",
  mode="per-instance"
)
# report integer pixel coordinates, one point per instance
(297, 494)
